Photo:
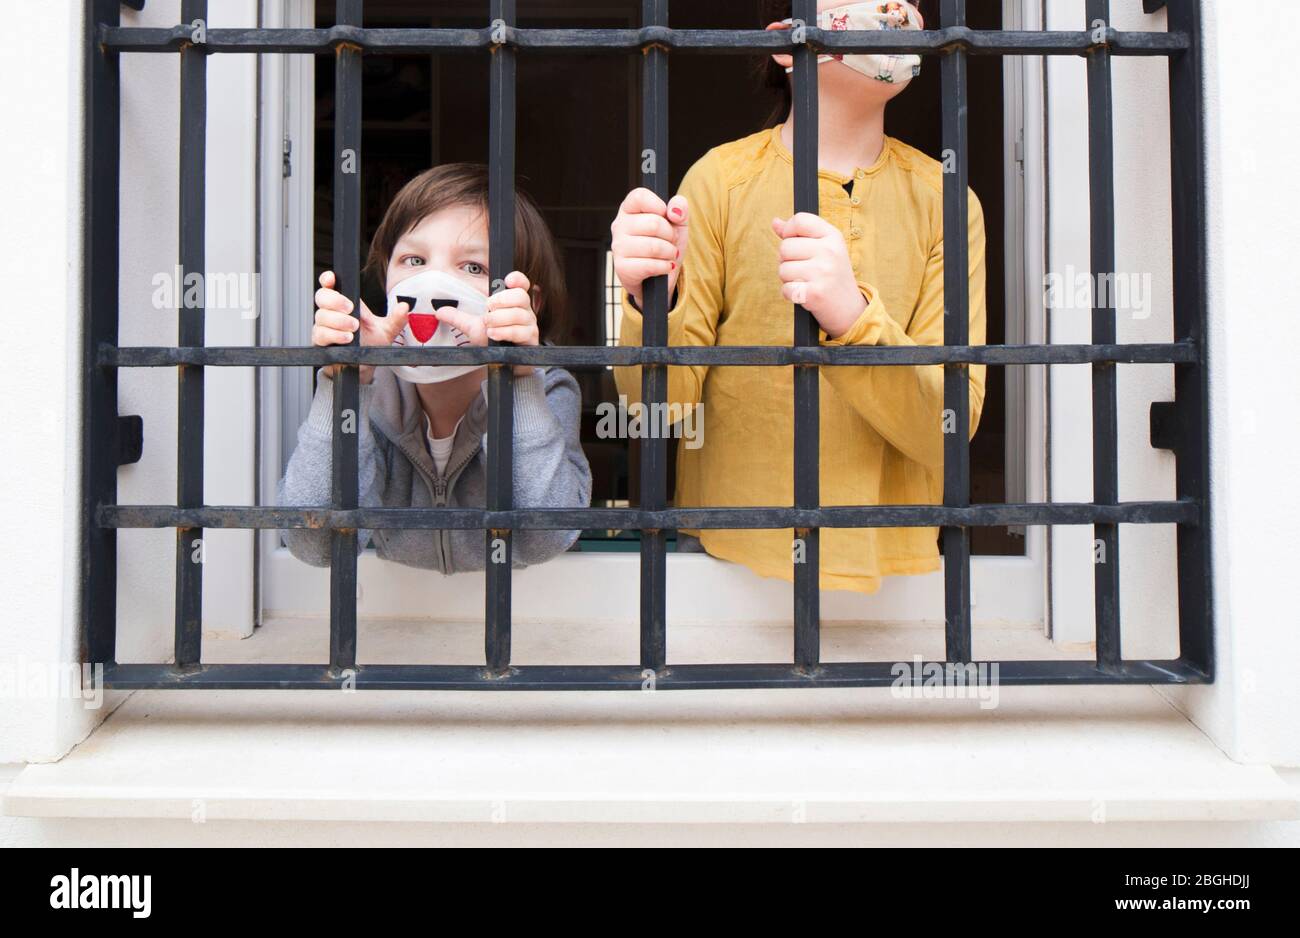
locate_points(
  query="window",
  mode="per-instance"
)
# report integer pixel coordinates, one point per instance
(496, 41)
(400, 93)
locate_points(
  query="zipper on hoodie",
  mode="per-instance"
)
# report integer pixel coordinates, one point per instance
(441, 487)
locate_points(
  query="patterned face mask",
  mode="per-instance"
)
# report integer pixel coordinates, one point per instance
(881, 14)
(425, 293)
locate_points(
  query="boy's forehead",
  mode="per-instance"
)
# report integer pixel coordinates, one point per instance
(460, 224)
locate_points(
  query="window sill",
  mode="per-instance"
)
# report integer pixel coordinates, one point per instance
(701, 589)
(1045, 754)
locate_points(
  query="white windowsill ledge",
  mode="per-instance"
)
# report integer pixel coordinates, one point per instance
(1045, 754)
(824, 756)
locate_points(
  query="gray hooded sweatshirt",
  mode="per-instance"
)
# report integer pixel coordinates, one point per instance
(397, 471)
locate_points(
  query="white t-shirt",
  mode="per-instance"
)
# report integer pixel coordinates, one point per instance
(440, 448)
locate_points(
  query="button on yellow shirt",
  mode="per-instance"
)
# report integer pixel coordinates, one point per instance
(881, 426)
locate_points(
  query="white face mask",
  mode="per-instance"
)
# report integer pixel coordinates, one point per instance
(425, 293)
(880, 14)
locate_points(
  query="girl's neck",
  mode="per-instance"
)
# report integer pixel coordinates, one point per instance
(446, 402)
(849, 136)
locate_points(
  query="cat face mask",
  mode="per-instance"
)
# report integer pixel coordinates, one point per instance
(426, 293)
(881, 14)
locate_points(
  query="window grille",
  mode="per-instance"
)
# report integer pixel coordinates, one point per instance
(110, 440)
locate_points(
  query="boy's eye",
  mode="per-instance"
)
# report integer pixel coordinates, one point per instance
(474, 268)
(412, 260)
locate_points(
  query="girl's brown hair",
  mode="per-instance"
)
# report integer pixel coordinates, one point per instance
(537, 256)
(773, 77)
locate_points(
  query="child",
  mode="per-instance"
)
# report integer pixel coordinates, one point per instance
(870, 270)
(422, 435)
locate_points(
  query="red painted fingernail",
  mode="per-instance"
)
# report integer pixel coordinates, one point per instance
(674, 267)
(677, 212)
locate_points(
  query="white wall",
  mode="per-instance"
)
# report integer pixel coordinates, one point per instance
(1254, 232)
(40, 249)
(1254, 238)
(42, 52)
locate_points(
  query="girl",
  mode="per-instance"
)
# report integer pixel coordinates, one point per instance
(869, 268)
(422, 430)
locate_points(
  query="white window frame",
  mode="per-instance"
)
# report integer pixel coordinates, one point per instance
(148, 248)
(286, 183)
(1148, 591)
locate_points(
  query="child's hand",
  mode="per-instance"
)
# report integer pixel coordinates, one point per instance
(509, 318)
(335, 324)
(816, 272)
(649, 240)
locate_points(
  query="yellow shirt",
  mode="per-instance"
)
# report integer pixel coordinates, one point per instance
(881, 426)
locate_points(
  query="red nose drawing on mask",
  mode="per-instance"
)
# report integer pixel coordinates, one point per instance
(423, 326)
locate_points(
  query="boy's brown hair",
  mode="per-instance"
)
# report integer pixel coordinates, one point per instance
(537, 255)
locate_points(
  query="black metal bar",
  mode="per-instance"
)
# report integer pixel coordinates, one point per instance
(347, 391)
(1191, 381)
(956, 331)
(1105, 421)
(654, 378)
(189, 404)
(501, 395)
(628, 677)
(632, 519)
(1185, 352)
(734, 41)
(98, 599)
(806, 547)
